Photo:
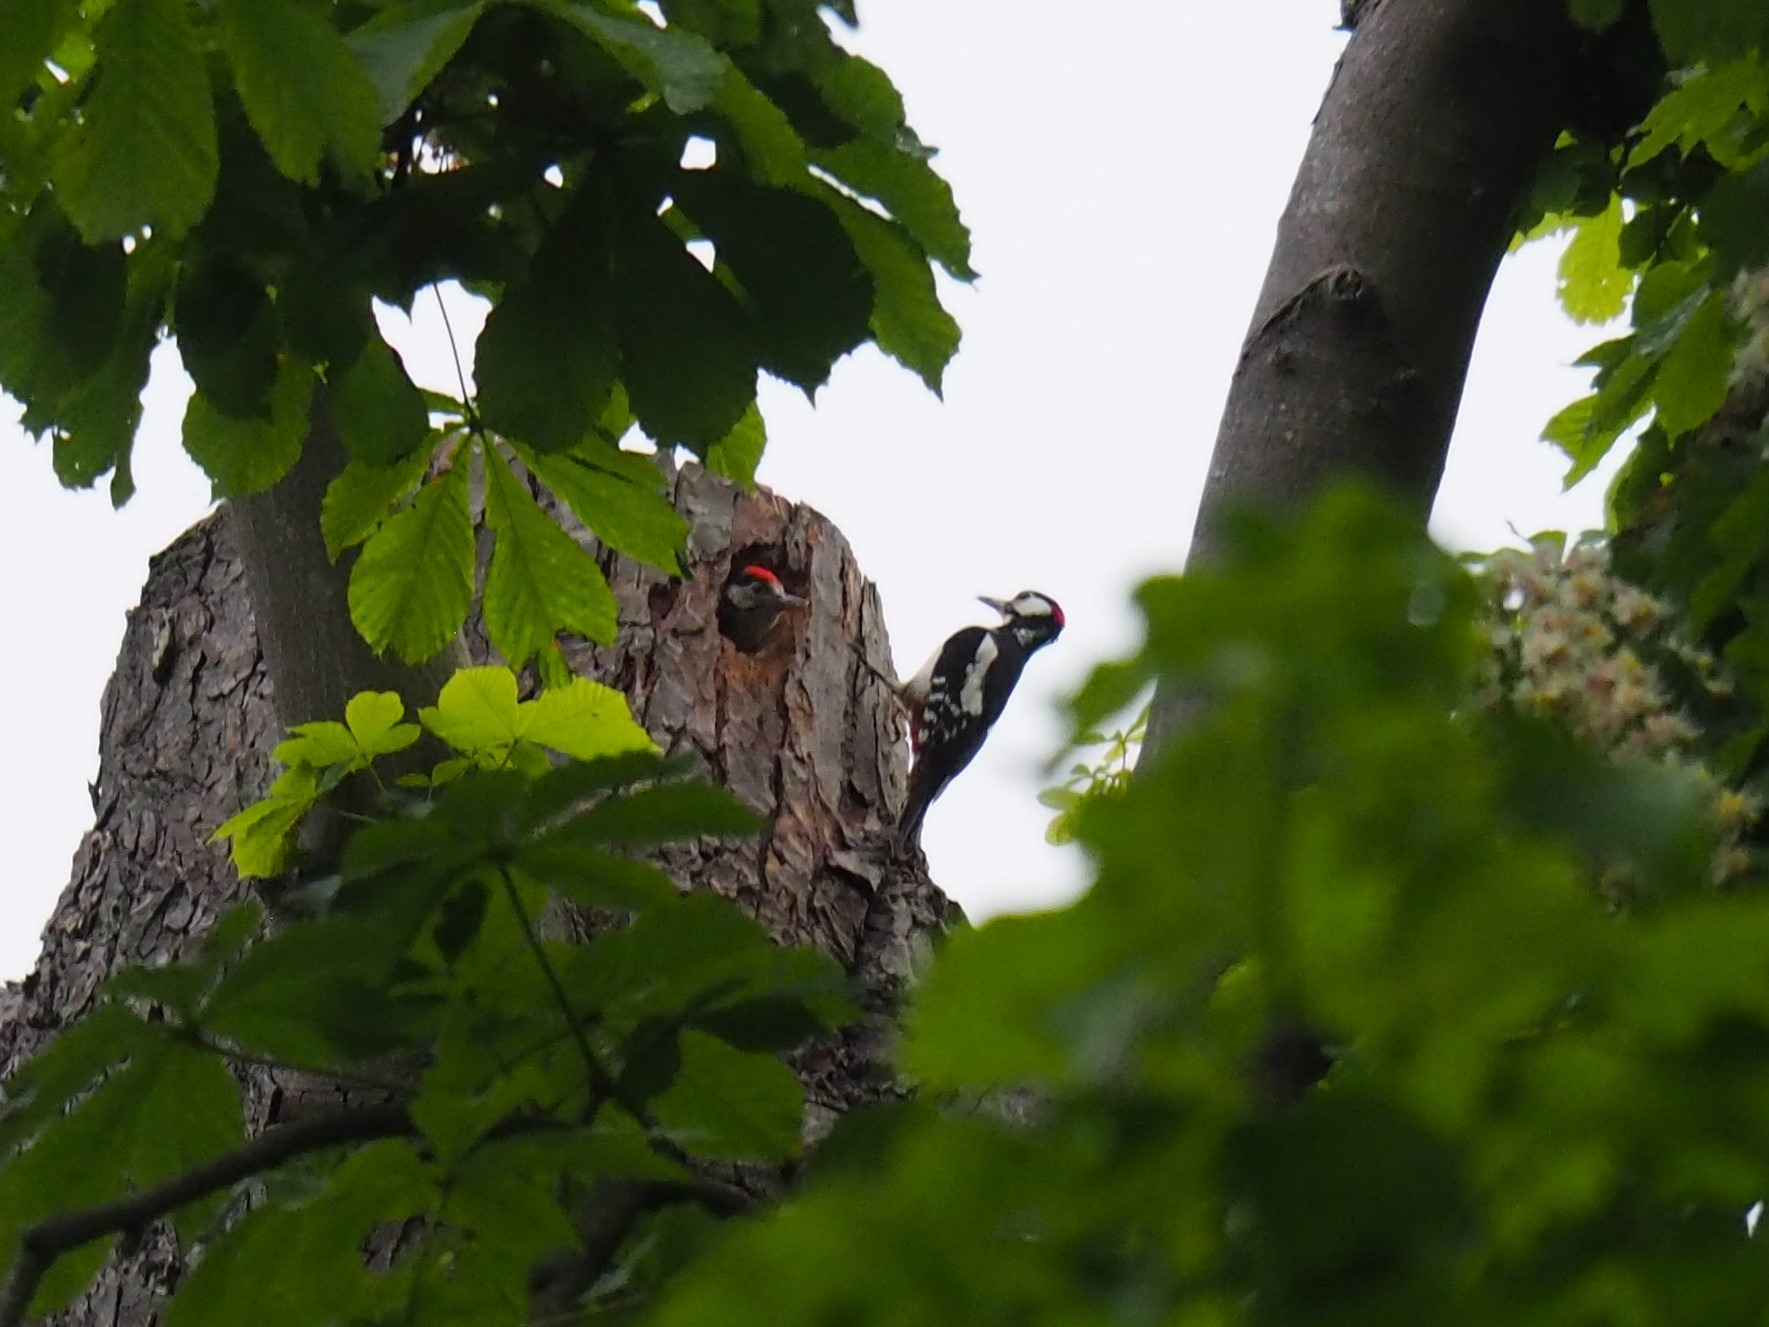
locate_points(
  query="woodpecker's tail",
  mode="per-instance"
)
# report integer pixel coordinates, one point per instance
(921, 796)
(908, 829)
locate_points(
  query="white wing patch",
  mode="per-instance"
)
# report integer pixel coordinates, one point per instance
(916, 688)
(970, 695)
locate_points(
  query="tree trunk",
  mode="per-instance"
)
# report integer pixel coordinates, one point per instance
(795, 730)
(1424, 146)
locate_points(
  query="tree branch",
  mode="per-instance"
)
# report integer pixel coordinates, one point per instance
(1426, 142)
(44, 1242)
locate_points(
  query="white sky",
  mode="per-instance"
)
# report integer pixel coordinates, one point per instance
(1121, 167)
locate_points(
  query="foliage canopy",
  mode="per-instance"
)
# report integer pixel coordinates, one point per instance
(249, 177)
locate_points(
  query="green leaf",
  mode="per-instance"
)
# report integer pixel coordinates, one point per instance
(172, 1108)
(1622, 400)
(693, 959)
(908, 321)
(317, 745)
(1570, 430)
(261, 835)
(361, 498)
(631, 518)
(303, 91)
(402, 51)
(144, 153)
(736, 455)
(569, 786)
(380, 416)
(29, 31)
(411, 587)
(99, 417)
(540, 581)
(584, 720)
(862, 94)
(244, 456)
(1702, 110)
(594, 879)
(87, 288)
(299, 1262)
(545, 362)
(679, 64)
(1729, 216)
(1594, 287)
(689, 356)
(1011, 974)
(181, 986)
(477, 711)
(731, 1104)
(905, 184)
(1709, 32)
(1693, 380)
(795, 266)
(1596, 15)
(228, 335)
(316, 994)
(515, 1213)
(662, 814)
(28, 365)
(771, 146)
(376, 721)
(38, 1090)
(475, 1079)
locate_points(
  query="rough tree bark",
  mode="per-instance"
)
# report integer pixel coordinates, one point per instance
(798, 731)
(1423, 148)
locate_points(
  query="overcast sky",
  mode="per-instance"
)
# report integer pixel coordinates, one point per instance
(1121, 167)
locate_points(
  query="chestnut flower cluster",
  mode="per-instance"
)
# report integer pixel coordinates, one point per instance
(1750, 305)
(1574, 643)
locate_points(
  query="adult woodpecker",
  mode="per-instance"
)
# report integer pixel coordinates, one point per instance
(955, 700)
(751, 604)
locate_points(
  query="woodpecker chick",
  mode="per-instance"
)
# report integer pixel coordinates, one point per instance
(955, 700)
(751, 604)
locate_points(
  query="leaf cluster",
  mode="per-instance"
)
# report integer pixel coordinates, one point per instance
(249, 177)
(1533, 1109)
(523, 1074)
(1663, 219)
(1346, 1029)
(477, 715)
(1666, 223)
(1105, 775)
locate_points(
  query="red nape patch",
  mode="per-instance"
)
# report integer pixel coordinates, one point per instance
(1056, 612)
(761, 574)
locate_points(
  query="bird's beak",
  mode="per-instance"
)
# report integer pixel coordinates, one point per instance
(999, 605)
(790, 600)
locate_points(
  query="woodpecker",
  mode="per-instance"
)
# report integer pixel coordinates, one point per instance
(751, 604)
(955, 700)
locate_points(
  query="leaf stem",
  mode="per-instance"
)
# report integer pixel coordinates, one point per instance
(602, 1086)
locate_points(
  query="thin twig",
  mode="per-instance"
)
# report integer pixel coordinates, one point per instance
(454, 350)
(348, 1077)
(890, 684)
(43, 1243)
(601, 1081)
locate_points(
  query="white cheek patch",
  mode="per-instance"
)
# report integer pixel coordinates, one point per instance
(970, 695)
